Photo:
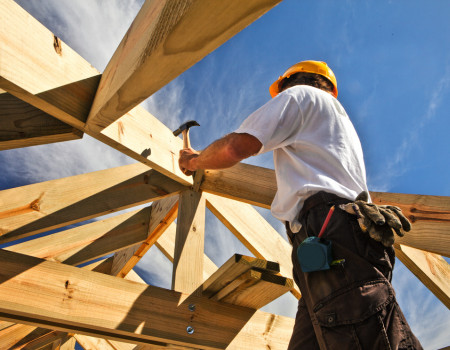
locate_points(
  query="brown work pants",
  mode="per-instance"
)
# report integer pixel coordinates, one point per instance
(352, 305)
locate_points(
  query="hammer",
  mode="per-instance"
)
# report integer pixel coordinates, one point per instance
(184, 129)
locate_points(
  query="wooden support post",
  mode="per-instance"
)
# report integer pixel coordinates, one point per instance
(163, 213)
(41, 207)
(166, 244)
(431, 269)
(22, 125)
(189, 243)
(77, 300)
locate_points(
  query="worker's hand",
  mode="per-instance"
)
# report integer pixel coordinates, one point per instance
(379, 221)
(185, 160)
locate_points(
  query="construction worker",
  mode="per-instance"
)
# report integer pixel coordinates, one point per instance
(348, 303)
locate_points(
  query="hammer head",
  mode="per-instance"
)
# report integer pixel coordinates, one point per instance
(185, 126)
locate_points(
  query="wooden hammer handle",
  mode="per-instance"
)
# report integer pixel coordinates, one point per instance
(186, 143)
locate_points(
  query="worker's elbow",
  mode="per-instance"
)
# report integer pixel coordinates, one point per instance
(242, 146)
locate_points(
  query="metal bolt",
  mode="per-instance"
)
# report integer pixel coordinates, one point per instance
(190, 330)
(191, 307)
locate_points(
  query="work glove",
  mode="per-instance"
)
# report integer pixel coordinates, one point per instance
(379, 221)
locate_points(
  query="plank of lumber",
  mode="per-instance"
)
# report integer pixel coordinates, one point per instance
(95, 304)
(254, 289)
(254, 232)
(13, 334)
(243, 182)
(166, 38)
(90, 241)
(163, 213)
(55, 339)
(430, 218)
(22, 125)
(37, 62)
(40, 207)
(92, 343)
(187, 273)
(67, 343)
(431, 269)
(64, 85)
(166, 244)
(430, 215)
(232, 269)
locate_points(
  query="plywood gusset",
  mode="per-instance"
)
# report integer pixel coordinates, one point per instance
(49, 302)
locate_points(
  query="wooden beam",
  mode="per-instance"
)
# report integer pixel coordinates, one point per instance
(254, 289)
(233, 268)
(254, 232)
(187, 273)
(243, 182)
(63, 84)
(40, 207)
(52, 340)
(247, 281)
(430, 215)
(13, 334)
(22, 125)
(431, 269)
(125, 310)
(430, 218)
(92, 343)
(166, 244)
(166, 38)
(163, 213)
(91, 241)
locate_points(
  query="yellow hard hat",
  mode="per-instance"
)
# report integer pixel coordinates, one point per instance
(316, 67)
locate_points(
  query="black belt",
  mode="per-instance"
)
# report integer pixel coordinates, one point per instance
(321, 198)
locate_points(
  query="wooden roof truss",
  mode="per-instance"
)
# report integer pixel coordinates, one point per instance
(49, 94)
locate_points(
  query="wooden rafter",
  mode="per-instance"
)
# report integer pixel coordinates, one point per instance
(165, 39)
(431, 269)
(90, 241)
(44, 206)
(67, 85)
(163, 213)
(22, 125)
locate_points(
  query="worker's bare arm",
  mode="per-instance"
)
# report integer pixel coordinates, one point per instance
(223, 153)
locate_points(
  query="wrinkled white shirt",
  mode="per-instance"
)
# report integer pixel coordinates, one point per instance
(315, 148)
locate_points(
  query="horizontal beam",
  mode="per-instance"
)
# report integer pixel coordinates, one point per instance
(430, 215)
(124, 310)
(431, 269)
(44, 206)
(61, 83)
(243, 182)
(22, 125)
(165, 39)
(430, 218)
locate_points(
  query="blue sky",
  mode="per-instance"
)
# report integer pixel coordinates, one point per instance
(392, 63)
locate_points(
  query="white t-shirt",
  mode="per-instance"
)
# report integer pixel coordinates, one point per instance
(315, 148)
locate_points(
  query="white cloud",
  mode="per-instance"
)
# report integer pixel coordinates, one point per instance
(399, 162)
